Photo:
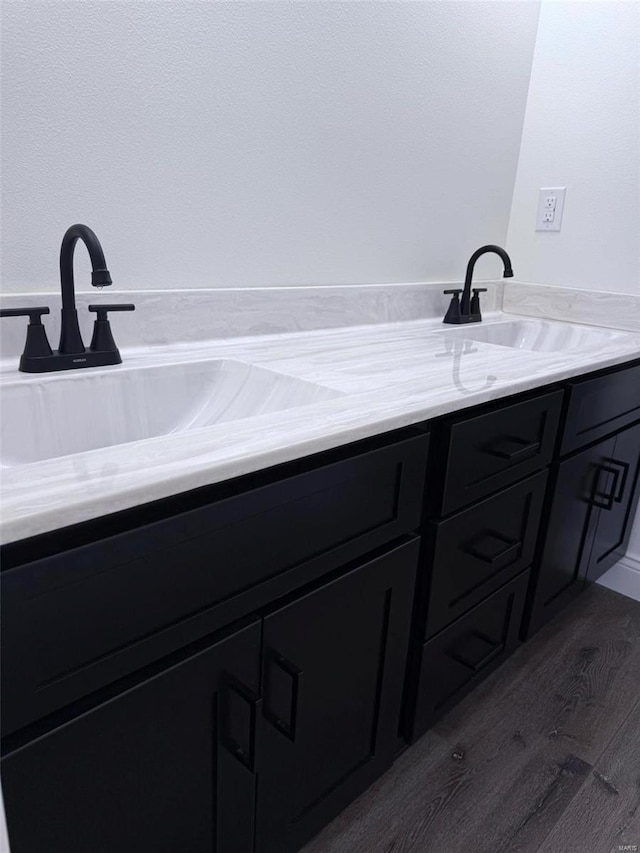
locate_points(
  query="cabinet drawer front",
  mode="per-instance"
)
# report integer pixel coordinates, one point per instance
(479, 549)
(454, 661)
(491, 451)
(601, 406)
(81, 619)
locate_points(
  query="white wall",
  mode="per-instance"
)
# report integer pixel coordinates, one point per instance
(582, 131)
(223, 144)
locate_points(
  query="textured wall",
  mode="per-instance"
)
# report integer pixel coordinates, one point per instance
(213, 143)
(582, 131)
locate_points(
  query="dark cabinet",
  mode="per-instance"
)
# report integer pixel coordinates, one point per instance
(164, 766)
(474, 552)
(119, 603)
(562, 566)
(333, 671)
(486, 452)
(589, 524)
(601, 405)
(458, 658)
(475, 564)
(615, 497)
(132, 723)
(129, 725)
(284, 722)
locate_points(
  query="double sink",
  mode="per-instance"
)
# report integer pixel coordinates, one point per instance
(45, 418)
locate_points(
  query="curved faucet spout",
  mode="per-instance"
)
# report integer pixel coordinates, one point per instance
(70, 337)
(100, 274)
(465, 305)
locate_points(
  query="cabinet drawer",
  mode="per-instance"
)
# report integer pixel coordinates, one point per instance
(454, 661)
(479, 549)
(490, 451)
(81, 619)
(601, 406)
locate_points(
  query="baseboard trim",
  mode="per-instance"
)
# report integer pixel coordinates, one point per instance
(624, 577)
(630, 561)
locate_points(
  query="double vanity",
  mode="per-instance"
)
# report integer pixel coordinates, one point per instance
(240, 576)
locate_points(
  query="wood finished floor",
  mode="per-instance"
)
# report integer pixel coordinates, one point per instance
(543, 756)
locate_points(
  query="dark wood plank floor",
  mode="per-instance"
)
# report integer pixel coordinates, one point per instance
(543, 756)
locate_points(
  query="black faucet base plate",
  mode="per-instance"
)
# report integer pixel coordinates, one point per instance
(69, 361)
(463, 318)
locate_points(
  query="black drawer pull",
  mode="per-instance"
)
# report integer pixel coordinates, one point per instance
(514, 449)
(286, 727)
(481, 549)
(462, 656)
(624, 467)
(247, 754)
(604, 500)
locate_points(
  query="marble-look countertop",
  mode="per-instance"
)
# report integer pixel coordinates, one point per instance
(391, 375)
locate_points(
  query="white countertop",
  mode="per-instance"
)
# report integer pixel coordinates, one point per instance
(391, 375)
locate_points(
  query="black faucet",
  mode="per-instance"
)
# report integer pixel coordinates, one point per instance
(467, 309)
(71, 353)
(70, 337)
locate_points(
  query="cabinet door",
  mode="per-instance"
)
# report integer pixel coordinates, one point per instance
(165, 766)
(616, 495)
(334, 664)
(571, 526)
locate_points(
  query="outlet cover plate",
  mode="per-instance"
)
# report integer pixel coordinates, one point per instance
(543, 221)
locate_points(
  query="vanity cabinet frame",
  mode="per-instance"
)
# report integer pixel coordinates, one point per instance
(359, 548)
(343, 559)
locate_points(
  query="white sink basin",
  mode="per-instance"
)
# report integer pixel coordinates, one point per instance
(70, 413)
(535, 335)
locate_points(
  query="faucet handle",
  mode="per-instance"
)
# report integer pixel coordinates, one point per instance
(102, 310)
(37, 344)
(33, 314)
(474, 308)
(453, 311)
(102, 340)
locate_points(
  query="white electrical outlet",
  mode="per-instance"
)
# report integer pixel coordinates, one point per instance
(550, 207)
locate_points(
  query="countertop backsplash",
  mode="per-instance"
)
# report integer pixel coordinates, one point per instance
(178, 316)
(165, 317)
(589, 307)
